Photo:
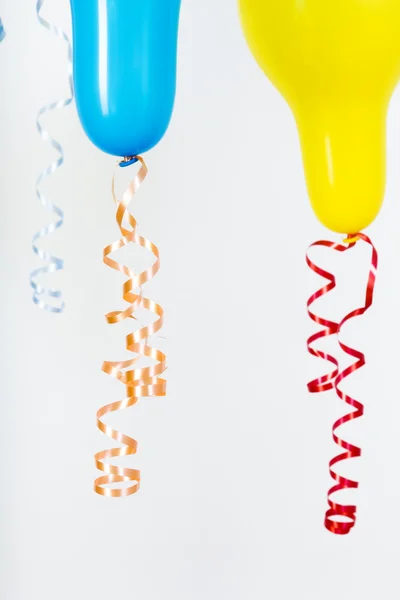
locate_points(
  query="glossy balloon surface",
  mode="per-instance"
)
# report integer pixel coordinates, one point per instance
(125, 71)
(337, 63)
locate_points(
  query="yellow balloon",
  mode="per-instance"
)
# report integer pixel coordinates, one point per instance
(337, 63)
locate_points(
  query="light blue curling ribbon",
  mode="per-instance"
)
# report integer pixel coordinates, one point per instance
(2, 32)
(42, 296)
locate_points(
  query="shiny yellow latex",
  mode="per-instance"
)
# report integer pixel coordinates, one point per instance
(337, 63)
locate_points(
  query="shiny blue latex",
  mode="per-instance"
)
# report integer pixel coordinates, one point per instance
(125, 71)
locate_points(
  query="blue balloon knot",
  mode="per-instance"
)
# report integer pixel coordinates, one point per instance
(127, 162)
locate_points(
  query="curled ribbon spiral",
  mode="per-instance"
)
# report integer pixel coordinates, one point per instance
(48, 298)
(139, 382)
(345, 513)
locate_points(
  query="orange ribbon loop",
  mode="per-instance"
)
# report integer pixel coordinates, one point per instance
(139, 382)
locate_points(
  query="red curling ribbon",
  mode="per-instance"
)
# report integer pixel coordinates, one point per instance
(333, 379)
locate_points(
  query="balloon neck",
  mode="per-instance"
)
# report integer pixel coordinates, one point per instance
(344, 157)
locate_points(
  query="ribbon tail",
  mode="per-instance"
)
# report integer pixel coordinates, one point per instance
(139, 381)
(48, 298)
(339, 519)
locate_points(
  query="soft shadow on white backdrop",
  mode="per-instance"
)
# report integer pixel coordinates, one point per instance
(234, 460)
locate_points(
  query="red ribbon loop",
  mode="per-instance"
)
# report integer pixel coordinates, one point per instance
(333, 379)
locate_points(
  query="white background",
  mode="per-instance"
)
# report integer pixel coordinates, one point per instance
(234, 460)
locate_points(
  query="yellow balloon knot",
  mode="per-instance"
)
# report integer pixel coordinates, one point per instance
(351, 239)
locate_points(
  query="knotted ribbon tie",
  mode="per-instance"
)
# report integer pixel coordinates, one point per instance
(139, 382)
(333, 379)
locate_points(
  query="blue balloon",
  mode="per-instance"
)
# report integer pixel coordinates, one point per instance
(125, 71)
(2, 32)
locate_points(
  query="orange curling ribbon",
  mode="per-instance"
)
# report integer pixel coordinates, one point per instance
(139, 382)
(340, 518)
